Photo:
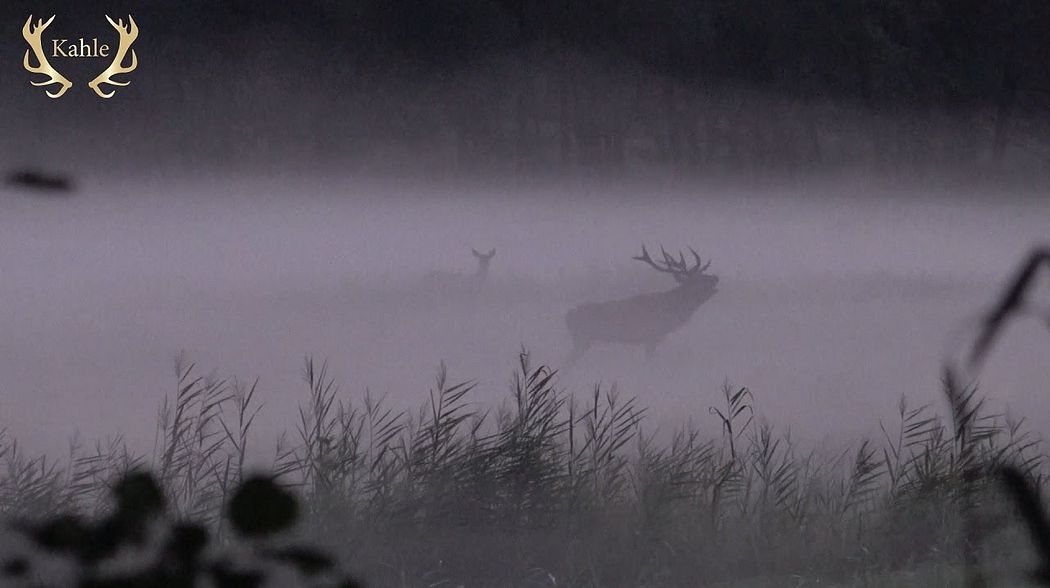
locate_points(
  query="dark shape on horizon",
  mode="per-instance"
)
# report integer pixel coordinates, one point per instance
(32, 179)
(645, 319)
(454, 282)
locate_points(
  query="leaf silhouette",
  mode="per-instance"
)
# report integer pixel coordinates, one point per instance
(15, 568)
(306, 560)
(138, 495)
(261, 507)
(62, 534)
(187, 542)
(227, 578)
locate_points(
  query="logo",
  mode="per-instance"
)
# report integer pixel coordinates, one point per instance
(81, 48)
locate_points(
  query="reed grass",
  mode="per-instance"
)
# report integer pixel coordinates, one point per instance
(552, 488)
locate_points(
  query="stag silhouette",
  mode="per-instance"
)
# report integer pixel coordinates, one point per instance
(645, 319)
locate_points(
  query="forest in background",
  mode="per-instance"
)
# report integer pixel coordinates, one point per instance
(705, 87)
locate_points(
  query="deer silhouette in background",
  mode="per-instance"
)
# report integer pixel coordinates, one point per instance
(645, 319)
(483, 263)
(457, 281)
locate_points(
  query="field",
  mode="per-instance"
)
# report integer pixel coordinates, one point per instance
(795, 433)
(248, 275)
(556, 489)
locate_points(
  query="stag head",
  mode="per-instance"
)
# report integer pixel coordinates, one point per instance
(680, 268)
(483, 256)
(483, 261)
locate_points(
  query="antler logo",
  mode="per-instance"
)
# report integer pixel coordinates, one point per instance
(32, 36)
(128, 34)
(127, 37)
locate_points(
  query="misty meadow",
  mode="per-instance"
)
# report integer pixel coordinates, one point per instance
(533, 294)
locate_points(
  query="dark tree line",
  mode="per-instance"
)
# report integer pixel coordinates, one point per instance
(742, 81)
(701, 83)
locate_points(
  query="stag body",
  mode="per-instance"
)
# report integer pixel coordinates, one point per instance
(644, 319)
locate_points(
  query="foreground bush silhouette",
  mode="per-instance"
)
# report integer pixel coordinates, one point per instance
(1021, 484)
(176, 554)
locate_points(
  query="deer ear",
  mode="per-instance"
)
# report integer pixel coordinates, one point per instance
(475, 252)
(491, 252)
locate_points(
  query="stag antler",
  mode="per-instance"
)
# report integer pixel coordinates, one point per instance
(644, 257)
(32, 36)
(677, 267)
(127, 37)
(697, 256)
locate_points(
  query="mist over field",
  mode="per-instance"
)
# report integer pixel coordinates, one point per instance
(835, 297)
(525, 294)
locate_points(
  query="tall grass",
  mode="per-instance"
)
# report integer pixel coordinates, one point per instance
(551, 488)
